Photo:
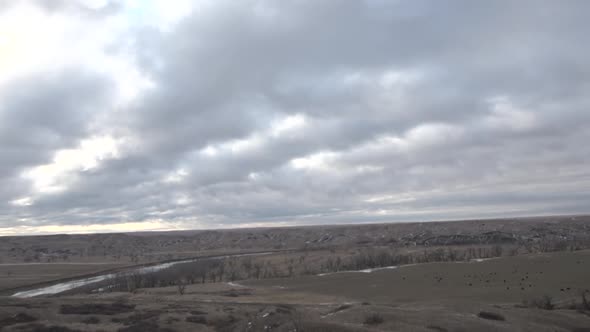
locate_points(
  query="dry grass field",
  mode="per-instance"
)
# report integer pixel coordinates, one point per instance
(501, 275)
(424, 297)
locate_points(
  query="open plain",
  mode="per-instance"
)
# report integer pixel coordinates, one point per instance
(528, 274)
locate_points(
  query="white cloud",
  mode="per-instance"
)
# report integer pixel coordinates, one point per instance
(431, 134)
(506, 115)
(161, 14)
(150, 225)
(35, 41)
(290, 125)
(55, 176)
(25, 201)
(320, 161)
(284, 128)
(176, 176)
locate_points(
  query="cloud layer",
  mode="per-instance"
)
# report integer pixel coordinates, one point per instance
(204, 114)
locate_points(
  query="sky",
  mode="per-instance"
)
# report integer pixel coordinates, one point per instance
(160, 115)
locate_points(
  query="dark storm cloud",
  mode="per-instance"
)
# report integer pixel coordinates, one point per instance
(412, 110)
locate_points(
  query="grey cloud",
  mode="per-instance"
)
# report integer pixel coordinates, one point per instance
(225, 73)
(41, 114)
(38, 116)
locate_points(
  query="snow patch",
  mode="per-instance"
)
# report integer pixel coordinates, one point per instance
(361, 271)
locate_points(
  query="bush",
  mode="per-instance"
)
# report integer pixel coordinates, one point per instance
(145, 327)
(181, 287)
(17, 319)
(136, 317)
(585, 302)
(43, 328)
(374, 319)
(545, 303)
(197, 320)
(343, 307)
(436, 328)
(490, 315)
(96, 309)
(91, 320)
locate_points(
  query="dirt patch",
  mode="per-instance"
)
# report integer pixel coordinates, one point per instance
(145, 327)
(96, 309)
(91, 320)
(17, 319)
(237, 292)
(197, 320)
(490, 315)
(43, 328)
(137, 317)
(373, 319)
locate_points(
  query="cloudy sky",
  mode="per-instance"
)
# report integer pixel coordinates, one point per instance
(155, 114)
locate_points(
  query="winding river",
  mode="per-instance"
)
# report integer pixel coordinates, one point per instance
(73, 284)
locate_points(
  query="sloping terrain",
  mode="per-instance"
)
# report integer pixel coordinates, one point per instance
(425, 297)
(548, 233)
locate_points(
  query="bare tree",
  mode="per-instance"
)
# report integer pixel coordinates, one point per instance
(584, 300)
(181, 286)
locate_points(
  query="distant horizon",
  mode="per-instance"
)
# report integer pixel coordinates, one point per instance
(122, 116)
(474, 219)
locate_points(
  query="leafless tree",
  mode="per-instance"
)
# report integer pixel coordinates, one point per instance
(181, 286)
(585, 300)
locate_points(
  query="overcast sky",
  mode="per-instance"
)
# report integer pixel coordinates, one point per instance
(155, 114)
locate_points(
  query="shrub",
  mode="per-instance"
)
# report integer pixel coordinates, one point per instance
(145, 327)
(197, 320)
(96, 309)
(545, 302)
(436, 328)
(91, 320)
(343, 307)
(374, 319)
(490, 315)
(43, 328)
(181, 287)
(17, 319)
(585, 302)
(136, 317)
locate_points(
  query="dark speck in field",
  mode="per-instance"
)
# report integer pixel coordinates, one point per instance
(17, 319)
(96, 308)
(42, 328)
(490, 315)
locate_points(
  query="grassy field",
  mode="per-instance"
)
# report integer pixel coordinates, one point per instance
(424, 297)
(500, 275)
(510, 279)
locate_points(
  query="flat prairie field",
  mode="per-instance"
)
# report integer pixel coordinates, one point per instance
(561, 275)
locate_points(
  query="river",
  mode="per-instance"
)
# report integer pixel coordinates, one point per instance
(73, 284)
